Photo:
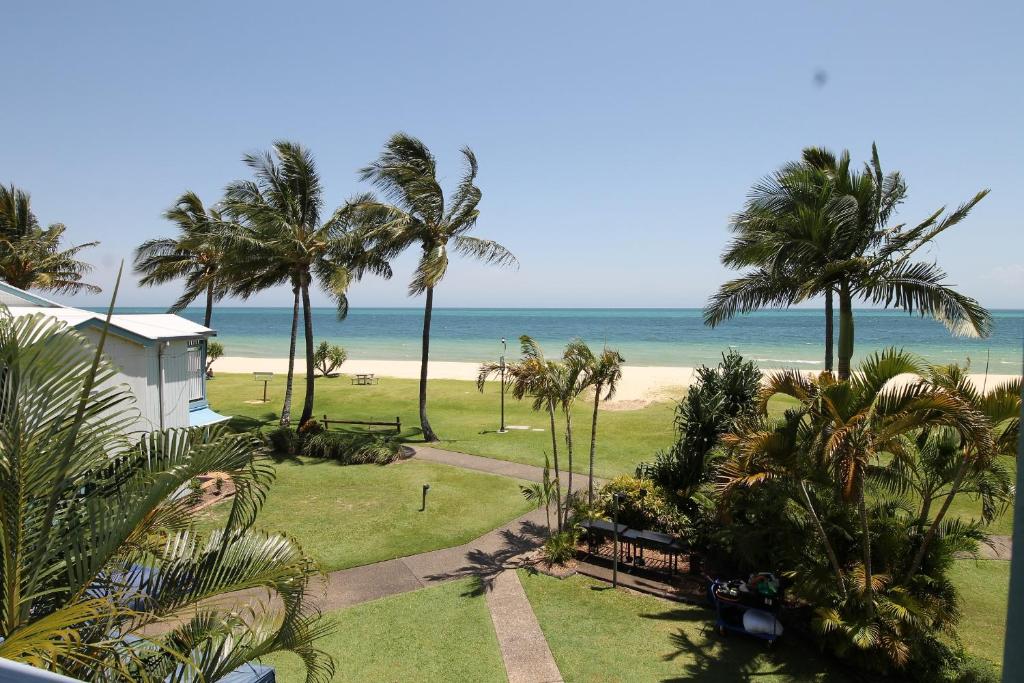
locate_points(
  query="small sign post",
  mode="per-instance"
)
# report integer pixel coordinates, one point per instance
(264, 377)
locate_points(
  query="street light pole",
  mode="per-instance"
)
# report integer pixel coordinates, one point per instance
(504, 348)
(616, 498)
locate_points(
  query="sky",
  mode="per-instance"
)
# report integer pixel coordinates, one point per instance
(614, 139)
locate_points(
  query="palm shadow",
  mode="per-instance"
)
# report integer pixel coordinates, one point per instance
(483, 567)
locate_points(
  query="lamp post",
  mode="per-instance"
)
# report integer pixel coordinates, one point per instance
(504, 348)
(616, 499)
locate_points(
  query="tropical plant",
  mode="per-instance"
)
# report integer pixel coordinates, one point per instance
(542, 380)
(601, 373)
(328, 358)
(354, 448)
(642, 505)
(104, 575)
(413, 211)
(214, 350)
(718, 398)
(196, 254)
(819, 227)
(282, 240)
(560, 547)
(820, 460)
(31, 256)
(542, 492)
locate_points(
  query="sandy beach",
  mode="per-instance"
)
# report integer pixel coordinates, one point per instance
(640, 385)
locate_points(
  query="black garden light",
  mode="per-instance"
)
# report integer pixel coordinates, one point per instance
(423, 505)
(617, 500)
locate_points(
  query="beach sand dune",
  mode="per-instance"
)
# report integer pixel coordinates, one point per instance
(640, 385)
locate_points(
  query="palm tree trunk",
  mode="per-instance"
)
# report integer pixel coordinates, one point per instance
(569, 449)
(307, 322)
(209, 306)
(934, 527)
(593, 446)
(829, 550)
(829, 332)
(428, 433)
(558, 472)
(845, 330)
(286, 410)
(869, 592)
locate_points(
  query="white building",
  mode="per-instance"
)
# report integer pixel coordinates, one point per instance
(162, 358)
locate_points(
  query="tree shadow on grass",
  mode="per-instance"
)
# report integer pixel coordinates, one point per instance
(736, 657)
(483, 567)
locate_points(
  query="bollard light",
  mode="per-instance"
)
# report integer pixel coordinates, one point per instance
(617, 499)
(423, 505)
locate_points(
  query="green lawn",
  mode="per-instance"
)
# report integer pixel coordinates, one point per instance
(599, 634)
(435, 634)
(465, 419)
(346, 516)
(984, 587)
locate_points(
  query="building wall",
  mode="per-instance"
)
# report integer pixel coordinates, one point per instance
(140, 371)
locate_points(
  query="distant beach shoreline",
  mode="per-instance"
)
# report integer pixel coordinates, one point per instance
(640, 385)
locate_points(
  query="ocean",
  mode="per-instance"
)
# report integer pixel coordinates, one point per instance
(674, 337)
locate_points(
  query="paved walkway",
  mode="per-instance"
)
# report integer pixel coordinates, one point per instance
(524, 649)
(495, 466)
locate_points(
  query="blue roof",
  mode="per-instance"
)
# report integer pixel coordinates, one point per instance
(201, 417)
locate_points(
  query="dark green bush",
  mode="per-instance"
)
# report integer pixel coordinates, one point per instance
(282, 441)
(354, 448)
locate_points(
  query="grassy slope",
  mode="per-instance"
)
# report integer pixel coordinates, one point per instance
(434, 634)
(355, 515)
(605, 635)
(984, 588)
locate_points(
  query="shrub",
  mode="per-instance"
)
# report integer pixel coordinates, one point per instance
(644, 506)
(560, 547)
(328, 358)
(282, 441)
(354, 448)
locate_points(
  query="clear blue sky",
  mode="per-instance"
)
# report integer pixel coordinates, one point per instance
(614, 139)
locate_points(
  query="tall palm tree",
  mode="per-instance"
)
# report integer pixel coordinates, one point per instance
(602, 374)
(413, 211)
(31, 256)
(104, 574)
(196, 254)
(281, 240)
(821, 228)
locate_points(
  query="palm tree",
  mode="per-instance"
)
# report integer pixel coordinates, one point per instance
(104, 575)
(197, 254)
(999, 410)
(820, 228)
(413, 212)
(533, 376)
(851, 423)
(282, 240)
(542, 492)
(602, 374)
(31, 256)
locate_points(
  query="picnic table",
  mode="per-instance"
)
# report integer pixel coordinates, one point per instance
(654, 540)
(364, 379)
(599, 529)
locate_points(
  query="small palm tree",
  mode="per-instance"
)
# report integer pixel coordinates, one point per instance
(413, 211)
(821, 228)
(104, 575)
(281, 240)
(543, 492)
(602, 374)
(533, 376)
(196, 255)
(31, 256)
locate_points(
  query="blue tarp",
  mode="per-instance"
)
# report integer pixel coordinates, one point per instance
(201, 417)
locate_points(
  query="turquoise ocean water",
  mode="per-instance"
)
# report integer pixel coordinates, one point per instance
(676, 337)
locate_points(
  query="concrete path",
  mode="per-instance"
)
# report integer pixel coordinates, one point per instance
(524, 649)
(501, 467)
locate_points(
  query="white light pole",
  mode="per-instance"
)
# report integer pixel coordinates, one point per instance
(504, 348)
